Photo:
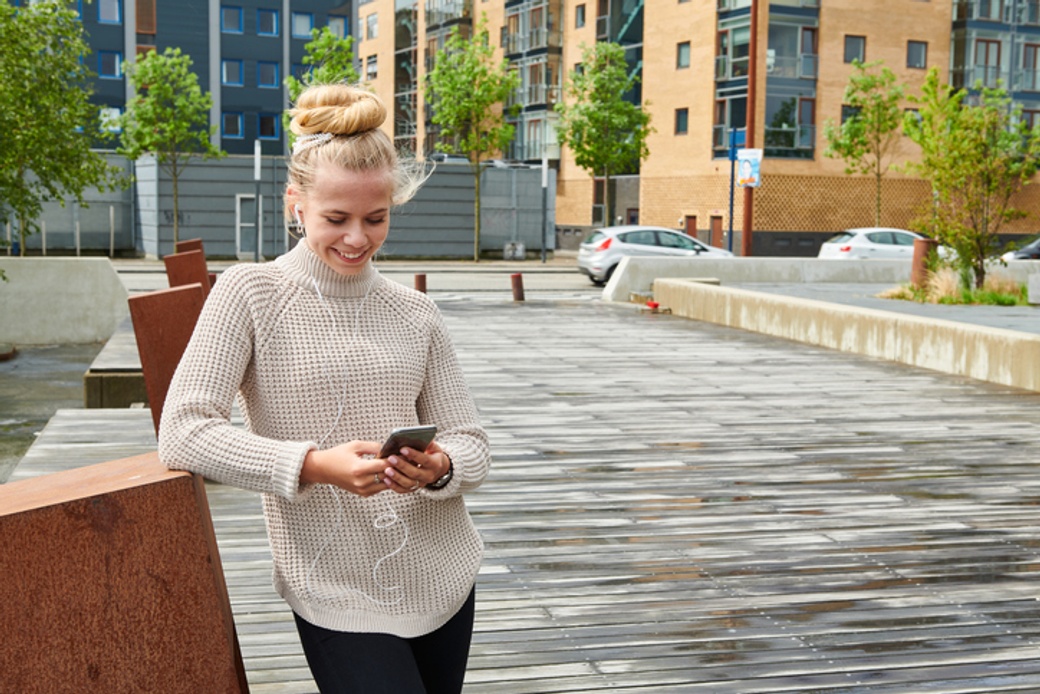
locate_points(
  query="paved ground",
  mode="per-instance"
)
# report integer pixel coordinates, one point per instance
(681, 507)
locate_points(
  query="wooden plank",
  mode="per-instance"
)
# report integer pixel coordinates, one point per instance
(681, 507)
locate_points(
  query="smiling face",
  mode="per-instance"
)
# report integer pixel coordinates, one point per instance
(346, 215)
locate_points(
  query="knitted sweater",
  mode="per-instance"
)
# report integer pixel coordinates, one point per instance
(318, 359)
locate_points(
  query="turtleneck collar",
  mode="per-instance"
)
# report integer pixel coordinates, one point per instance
(305, 268)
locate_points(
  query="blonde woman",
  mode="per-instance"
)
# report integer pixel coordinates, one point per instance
(377, 557)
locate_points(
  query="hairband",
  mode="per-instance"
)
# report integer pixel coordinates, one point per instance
(305, 142)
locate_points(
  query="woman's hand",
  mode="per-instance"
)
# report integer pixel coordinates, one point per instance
(350, 466)
(411, 470)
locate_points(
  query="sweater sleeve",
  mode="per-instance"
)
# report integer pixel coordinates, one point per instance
(195, 431)
(445, 400)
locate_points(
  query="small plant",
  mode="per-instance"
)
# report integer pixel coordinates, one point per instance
(946, 286)
(943, 283)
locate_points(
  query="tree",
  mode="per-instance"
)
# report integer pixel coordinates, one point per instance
(332, 61)
(466, 91)
(868, 137)
(976, 156)
(168, 117)
(48, 123)
(606, 133)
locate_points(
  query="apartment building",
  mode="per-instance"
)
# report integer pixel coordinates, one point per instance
(768, 74)
(764, 74)
(242, 51)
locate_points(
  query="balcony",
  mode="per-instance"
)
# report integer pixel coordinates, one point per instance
(986, 75)
(727, 68)
(1000, 11)
(1027, 81)
(802, 66)
(535, 95)
(535, 39)
(791, 141)
(441, 11)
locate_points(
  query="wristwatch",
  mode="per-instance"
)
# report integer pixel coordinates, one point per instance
(443, 481)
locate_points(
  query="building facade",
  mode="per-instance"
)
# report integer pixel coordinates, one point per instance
(714, 74)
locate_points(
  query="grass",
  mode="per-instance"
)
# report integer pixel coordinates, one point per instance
(944, 286)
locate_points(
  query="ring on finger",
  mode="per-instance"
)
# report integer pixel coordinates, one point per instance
(413, 487)
(378, 481)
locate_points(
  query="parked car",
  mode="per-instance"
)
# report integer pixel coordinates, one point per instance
(600, 253)
(870, 242)
(1027, 251)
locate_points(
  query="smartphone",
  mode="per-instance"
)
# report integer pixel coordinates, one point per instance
(416, 438)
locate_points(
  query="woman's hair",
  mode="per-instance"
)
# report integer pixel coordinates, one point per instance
(339, 124)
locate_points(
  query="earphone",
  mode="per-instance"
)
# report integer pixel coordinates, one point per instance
(383, 521)
(296, 214)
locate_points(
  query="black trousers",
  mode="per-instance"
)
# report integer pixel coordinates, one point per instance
(349, 663)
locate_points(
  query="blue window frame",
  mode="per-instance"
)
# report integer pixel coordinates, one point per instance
(267, 75)
(231, 126)
(230, 19)
(302, 24)
(267, 23)
(231, 73)
(268, 126)
(110, 65)
(109, 12)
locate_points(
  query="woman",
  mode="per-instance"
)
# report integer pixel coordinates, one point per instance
(376, 557)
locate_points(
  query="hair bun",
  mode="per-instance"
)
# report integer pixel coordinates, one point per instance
(339, 109)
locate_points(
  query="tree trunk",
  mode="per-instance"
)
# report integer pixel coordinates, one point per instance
(21, 236)
(877, 199)
(476, 212)
(176, 209)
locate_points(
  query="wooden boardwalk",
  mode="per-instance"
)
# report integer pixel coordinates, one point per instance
(678, 507)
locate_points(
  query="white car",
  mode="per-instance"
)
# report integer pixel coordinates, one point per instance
(870, 242)
(600, 253)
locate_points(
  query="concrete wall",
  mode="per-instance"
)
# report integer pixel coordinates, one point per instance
(49, 301)
(638, 274)
(988, 354)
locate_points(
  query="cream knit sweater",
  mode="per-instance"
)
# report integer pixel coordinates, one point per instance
(318, 359)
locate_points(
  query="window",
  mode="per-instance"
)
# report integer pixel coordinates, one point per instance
(579, 16)
(855, 48)
(371, 67)
(682, 121)
(338, 26)
(300, 71)
(231, 126)
(110, 65)
(987, 61)
(231, 73)
(109, 12)
(1031, 118)
(639, 238)
(110, 119)
(231, 20)
(302, 24)
(372, 26)
(682, 55)
(849, 112)
(917, 54)
(1030, 67)
(267, 75)
(267, 22)
(267, 126)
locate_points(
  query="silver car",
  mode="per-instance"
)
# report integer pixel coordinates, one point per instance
(600, 253)
(870, 242)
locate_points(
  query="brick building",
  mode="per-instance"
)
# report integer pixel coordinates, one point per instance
(708, 69)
